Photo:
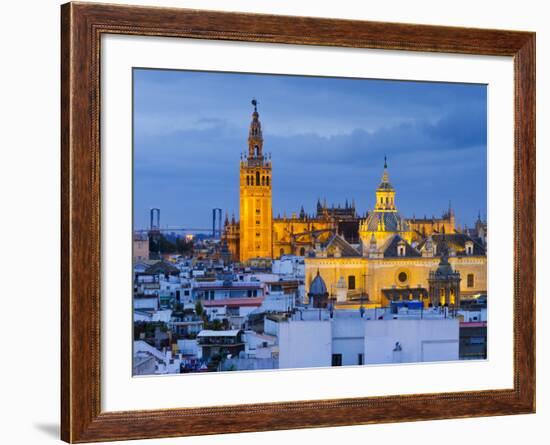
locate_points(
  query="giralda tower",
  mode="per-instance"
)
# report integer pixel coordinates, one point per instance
(255, 196)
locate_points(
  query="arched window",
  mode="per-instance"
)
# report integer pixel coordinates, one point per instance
(263, 180)
(267, 181)
(248, 180)
(257, 178)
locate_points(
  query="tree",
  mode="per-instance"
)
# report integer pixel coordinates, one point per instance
(199, 310)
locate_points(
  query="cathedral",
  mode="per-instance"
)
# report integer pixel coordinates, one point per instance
(364, 261)
(257, 233)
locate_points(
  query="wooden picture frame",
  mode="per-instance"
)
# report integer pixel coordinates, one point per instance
(82, 26)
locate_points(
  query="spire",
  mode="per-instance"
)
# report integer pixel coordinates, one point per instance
(255, 138)
(385, 182)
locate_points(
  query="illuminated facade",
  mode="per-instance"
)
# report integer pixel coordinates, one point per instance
(255, 222)
(362, 261)
(395, 262)
(258, 234)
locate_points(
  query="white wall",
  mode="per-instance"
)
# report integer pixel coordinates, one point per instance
(420, 340)
(304, 344)
(29, 179)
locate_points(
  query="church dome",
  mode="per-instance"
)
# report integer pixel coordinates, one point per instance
(318, 286)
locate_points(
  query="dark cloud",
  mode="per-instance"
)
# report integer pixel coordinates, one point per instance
(187, 151)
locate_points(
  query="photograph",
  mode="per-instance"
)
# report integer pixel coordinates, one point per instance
(287, 221)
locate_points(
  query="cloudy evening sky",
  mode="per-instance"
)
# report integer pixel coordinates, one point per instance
(327, 138)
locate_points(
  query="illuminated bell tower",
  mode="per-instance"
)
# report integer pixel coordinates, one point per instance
(385, 193)
(255, 196)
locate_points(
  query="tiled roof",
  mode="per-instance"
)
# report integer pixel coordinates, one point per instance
(161, 267)
(457, 242)
(390, 249)
(208, 333)
(391, 221)
(346, 249)
(233, 302)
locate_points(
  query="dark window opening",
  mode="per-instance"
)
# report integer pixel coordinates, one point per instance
(351, 282)
(336, 359)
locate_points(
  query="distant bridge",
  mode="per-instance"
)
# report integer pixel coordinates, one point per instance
(175, 229)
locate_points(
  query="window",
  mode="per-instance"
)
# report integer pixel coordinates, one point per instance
(257, 211)
(263, 180)
(258, 234)
(336, 359)
(257, 222)
(248, 180)
(401, 250)
(470, 280)
(302, 251)
(351, 282)
(402, 277)
(359, 359)
(267, 181)
(257, 178)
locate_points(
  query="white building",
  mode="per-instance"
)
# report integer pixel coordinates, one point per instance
(314, 339)
(289, 265)
(144, 354)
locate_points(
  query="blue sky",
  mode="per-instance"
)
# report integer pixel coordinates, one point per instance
(327, 138)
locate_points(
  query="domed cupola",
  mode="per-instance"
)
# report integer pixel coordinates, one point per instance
(318, 295)
(384, 221)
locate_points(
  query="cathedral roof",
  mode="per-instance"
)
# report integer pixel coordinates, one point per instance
(318, 286)
(389, 221)
(346, 249)
(456, 242)
(390, 249)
